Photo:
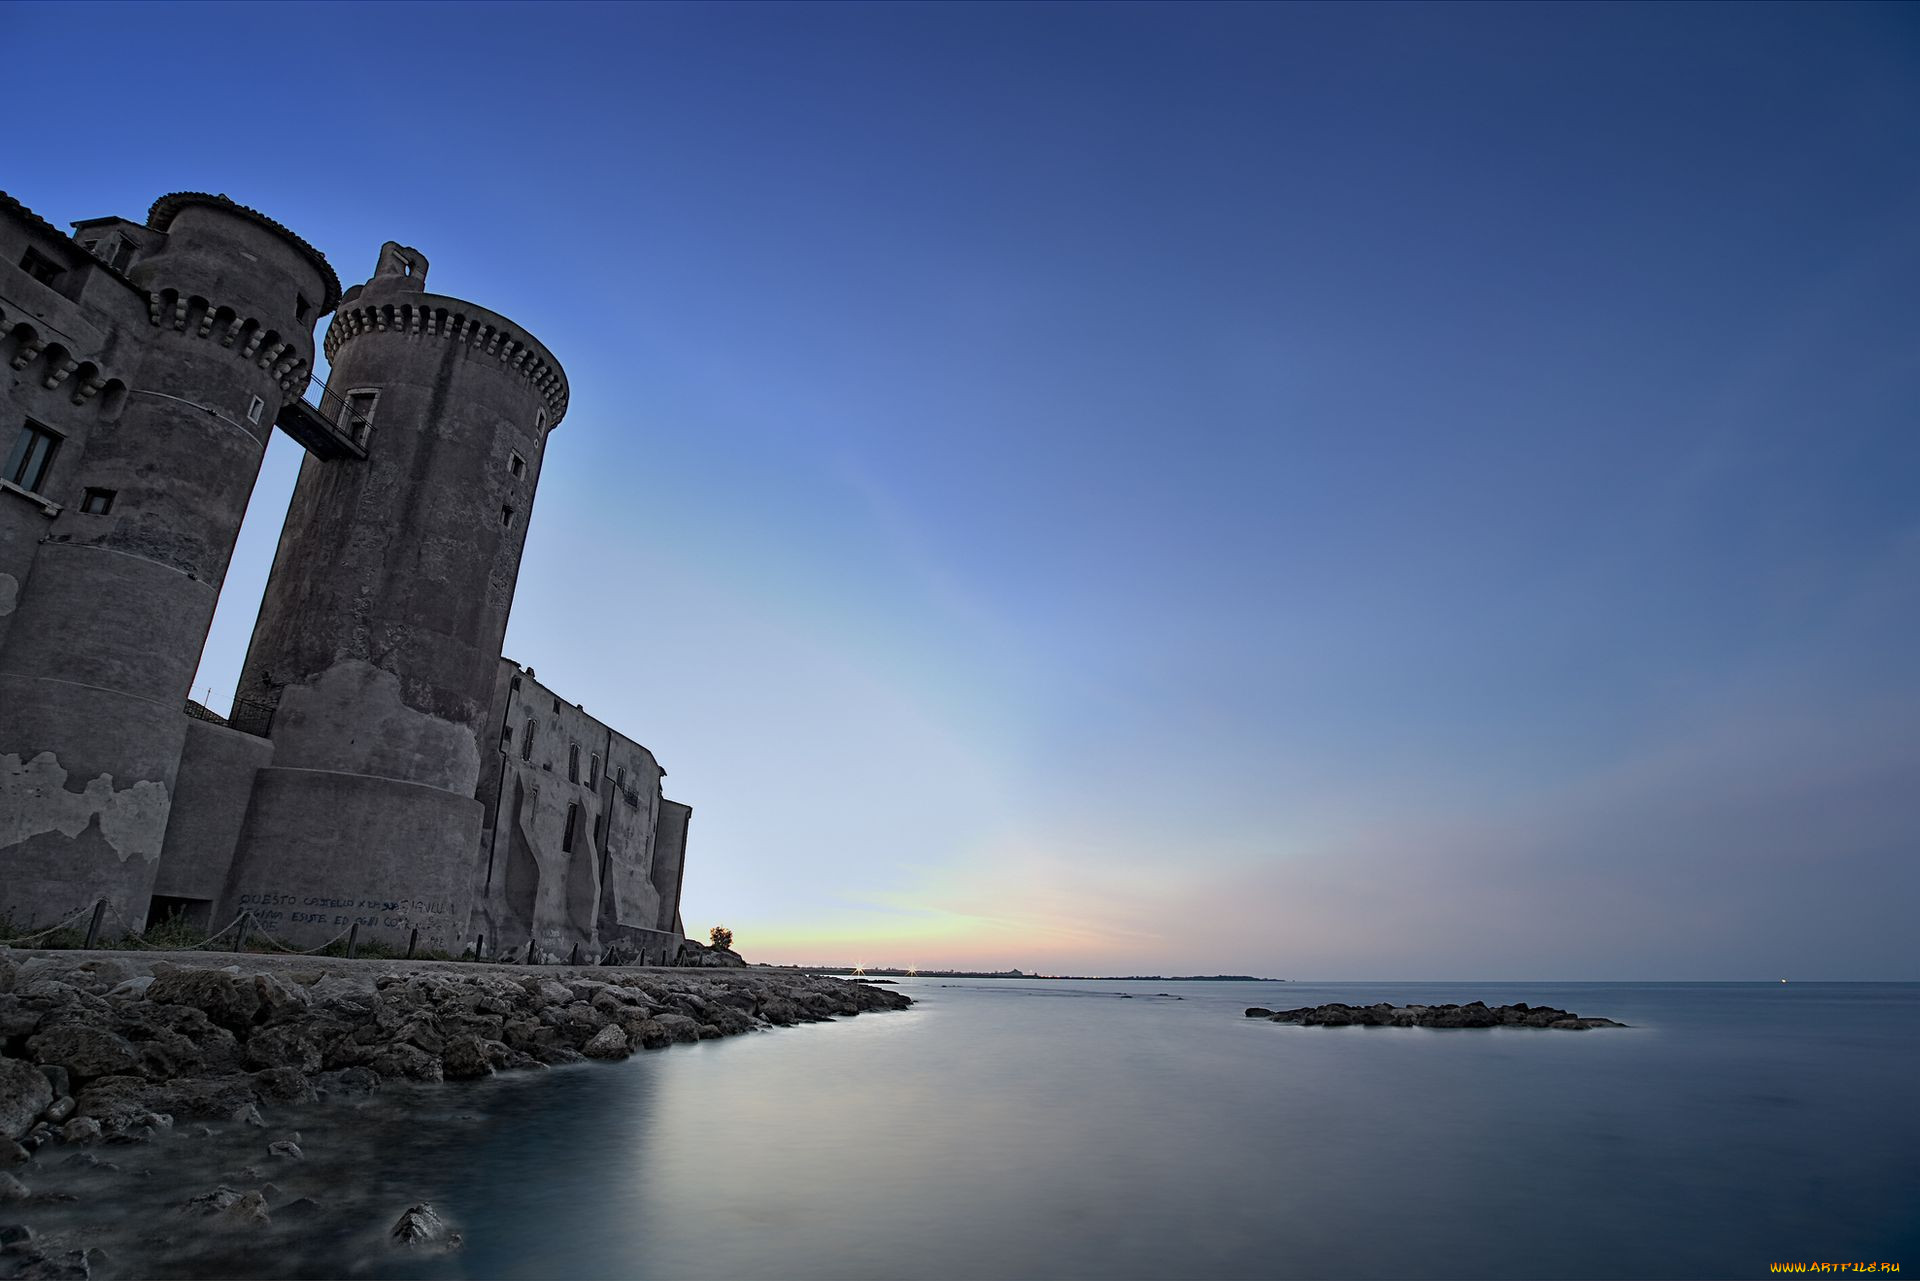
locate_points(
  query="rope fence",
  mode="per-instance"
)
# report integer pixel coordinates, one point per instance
(51, 929)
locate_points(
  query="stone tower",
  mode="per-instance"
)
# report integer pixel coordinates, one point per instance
(373, 664)
(206, 313)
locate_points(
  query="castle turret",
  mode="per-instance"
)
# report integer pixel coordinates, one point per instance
(373, 663)
(209, 318)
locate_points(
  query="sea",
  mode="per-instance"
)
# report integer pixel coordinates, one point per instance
(1009, 1128)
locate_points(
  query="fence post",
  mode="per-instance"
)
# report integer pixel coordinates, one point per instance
(93, 928)
(240, 935)
(353, 939)
(413, 941)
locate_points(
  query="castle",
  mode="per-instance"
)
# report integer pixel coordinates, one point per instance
(382, 764)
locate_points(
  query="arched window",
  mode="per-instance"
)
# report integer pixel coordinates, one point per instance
(573, 762)
(526, 743)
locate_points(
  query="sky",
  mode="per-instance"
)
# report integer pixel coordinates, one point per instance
(1322, 492)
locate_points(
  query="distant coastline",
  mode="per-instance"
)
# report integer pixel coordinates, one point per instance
(894, 973)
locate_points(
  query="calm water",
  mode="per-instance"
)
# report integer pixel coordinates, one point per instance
(1025, 1130)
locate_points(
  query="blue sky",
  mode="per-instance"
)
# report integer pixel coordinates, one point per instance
(1360, 491)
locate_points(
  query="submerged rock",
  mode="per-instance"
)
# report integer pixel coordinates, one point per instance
(419, 1228)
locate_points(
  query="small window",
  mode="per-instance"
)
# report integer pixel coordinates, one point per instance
(573, 821)
(517, 465)
(301, 306)
(31, 455)
(254, 410)
(41, 268)
(506, 518)
(506, 737)
(526, 740)
(593, 771)
(98, 502)
(514, 683)
(621, 778)
(123, 251)
(556, 707)
(91, 246)
(540, 422)
(573, 762)
(356, 415)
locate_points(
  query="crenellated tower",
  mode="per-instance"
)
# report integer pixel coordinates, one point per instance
(204, 314)
(372, 667)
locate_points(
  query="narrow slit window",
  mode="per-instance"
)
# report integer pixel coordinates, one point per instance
(573, 821)
(506, 518)
(97, 502)
(593, 771)
(41, 268)
(573, 762)
(526, 740)
(506, 737)
(31, 455)
(255, 409)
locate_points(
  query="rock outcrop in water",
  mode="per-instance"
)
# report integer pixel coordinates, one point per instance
(1476, 1014)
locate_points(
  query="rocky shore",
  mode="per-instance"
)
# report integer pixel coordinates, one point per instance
(1476, 1014)
(112, 1067)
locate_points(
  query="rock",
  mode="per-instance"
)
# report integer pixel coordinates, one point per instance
(131, 989)
(283, 1085)
(350, 1082)
(283, 1047)
(1474, 1014)
(465, 1058)
(60, 1109)
(15, 1234)
(1255, 1012)
(248, 1114)
(299, 1208)
(12, 1153)
(223, 996)
(11, 1189)
(409, 1062)
(278, 1000)
(58, 1077)
(82, 1129)
(228, 1206)
(85, 1051)
(25, 1093)
(678, 1026)
(608, 1043)
(285, 1150)
(71, 1266)
(419, 1228)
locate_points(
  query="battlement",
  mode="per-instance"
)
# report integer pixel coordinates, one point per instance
(453, 320)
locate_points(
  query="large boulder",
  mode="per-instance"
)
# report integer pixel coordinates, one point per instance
(86, 1052)
(608, 1043)
(24, 1095)
(225, 997)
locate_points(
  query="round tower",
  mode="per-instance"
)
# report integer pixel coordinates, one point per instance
(100, 656)
(373, 663)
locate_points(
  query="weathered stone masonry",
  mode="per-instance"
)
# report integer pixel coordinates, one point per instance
(376, 766)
